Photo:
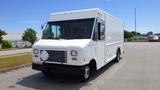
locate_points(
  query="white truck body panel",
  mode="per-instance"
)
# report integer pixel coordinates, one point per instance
(101, 51)
(63, 45)
(72, 15)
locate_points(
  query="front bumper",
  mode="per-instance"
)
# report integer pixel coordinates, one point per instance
(59, 68)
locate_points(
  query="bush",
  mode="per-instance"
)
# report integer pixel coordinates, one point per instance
(27, 46)
(17, 46)
(6, 44)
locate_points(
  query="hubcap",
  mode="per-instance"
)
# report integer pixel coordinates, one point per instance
(87, 72)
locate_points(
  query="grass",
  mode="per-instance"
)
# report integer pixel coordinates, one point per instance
(141, 41)
(138, 40)
(8, 62)
(6, 49)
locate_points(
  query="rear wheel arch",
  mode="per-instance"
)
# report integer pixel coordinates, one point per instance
(118, 53)
(118, 50)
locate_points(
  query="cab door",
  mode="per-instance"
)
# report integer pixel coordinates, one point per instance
(100, 43)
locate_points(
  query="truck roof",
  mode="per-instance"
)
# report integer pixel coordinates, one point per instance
(77, 14)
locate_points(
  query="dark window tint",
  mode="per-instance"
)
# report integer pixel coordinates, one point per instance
(73, 29)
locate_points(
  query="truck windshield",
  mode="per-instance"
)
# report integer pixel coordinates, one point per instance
(72, 29)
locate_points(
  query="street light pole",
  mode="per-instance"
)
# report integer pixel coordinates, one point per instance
(135, 23)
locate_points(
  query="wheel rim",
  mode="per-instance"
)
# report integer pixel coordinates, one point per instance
(87, 72)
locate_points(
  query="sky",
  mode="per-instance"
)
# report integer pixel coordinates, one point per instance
(18, 15)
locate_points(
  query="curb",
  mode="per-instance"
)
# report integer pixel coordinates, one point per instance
(15, 68)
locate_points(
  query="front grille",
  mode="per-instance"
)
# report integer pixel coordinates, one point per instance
(57, 56)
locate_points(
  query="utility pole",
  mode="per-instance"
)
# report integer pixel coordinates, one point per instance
(135, 22)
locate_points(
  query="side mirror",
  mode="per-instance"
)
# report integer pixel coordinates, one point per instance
(42, 27)
(94, 37)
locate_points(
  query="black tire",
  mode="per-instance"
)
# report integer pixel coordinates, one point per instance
(118, 56)
(86, 73)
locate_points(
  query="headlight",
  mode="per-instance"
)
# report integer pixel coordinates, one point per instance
(74, 53)
(44, 55)
(35, 51)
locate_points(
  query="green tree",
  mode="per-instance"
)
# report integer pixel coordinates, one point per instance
(47, 33)
(1, 34)
(29, 35)
(128, 34)
(6, 44)
(136, 33)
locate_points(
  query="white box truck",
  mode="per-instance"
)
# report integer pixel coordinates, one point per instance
(79, 42)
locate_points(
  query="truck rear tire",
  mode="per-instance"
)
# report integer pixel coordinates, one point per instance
(86, 73)
(118, 56)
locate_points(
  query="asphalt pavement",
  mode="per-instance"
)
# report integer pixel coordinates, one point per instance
(139, 69)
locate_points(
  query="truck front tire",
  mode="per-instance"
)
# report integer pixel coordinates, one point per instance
(86, 73)
(47, 74)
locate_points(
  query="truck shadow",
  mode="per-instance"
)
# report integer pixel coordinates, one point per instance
(59, 82)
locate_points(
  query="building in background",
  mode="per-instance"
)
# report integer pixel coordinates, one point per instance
(16, 40)
(20, 44)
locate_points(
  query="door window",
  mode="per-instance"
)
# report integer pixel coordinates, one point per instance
(101, 31)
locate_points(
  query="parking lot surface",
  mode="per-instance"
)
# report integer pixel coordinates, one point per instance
(139, 69)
